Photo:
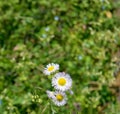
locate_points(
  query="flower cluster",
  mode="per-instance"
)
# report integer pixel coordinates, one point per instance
(61, 83)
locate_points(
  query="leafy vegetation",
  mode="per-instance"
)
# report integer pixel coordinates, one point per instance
(82, 36)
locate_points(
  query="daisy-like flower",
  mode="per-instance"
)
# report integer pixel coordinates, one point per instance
(71, 92)
(50, 68)
(62, 81)
(50, 94)
(60, 98)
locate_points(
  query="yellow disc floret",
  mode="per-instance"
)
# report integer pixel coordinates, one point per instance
(50, 68)
(59, 97)
(62, 81)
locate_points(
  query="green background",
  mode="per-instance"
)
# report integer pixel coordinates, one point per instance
(82, 36)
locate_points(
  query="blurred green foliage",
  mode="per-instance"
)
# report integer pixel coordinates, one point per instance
(80, 35)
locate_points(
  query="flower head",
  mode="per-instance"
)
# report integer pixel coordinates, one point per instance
(62, 81)
(50, 68)
(59, 98)
(50, 94)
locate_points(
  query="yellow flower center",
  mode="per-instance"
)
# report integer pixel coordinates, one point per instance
(50, 68)
(62, 81)
(59, 97)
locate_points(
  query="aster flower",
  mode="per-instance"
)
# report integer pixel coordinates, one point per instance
(71, 92)
(62, 81)
(50, 68)
(50, 94)
(59, 98)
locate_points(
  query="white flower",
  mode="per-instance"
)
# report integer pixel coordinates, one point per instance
(50, 68)
(62, 81)
(59, 98)
(50, 94)
(71, 92)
